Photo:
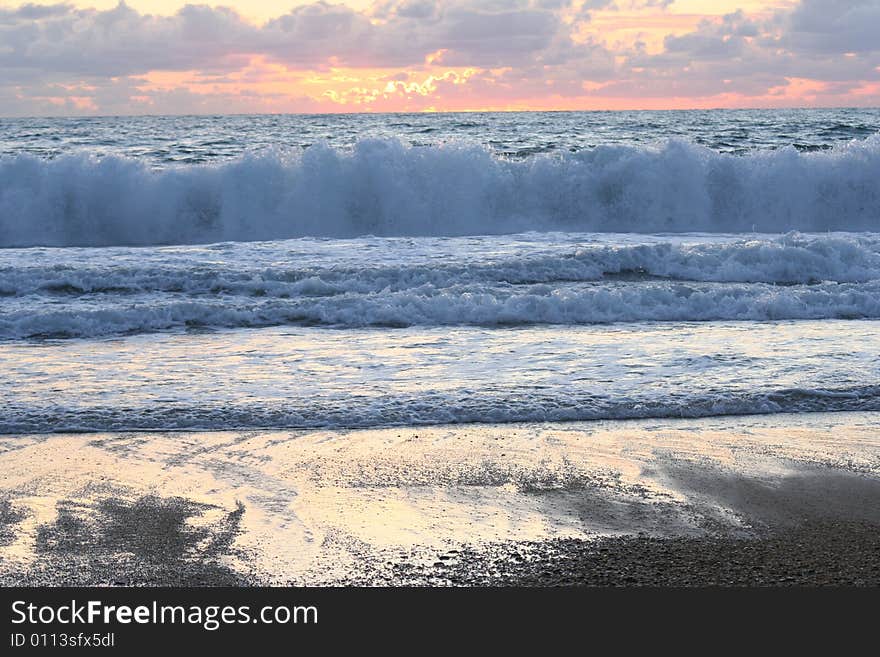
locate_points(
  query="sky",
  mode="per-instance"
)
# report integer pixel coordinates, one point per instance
(166, 57)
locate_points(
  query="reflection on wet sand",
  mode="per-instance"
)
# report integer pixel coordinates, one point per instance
(592, 503)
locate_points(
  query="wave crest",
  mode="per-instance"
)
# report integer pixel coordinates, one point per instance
(382, 187)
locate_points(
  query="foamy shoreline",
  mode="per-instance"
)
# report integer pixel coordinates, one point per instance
(633, 502)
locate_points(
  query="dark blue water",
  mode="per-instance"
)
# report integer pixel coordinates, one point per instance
(163, 140)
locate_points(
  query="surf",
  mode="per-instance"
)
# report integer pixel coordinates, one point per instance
(386, 188)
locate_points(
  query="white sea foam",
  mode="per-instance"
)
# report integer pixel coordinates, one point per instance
(569, 279)
(428, 409)
(616, 282)
(789, 259)
(429, 306)
(313, 377)
(385, 188)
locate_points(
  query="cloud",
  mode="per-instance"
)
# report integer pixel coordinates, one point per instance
(816, 40)
(449, 53)
(120, 41)
(834, 26)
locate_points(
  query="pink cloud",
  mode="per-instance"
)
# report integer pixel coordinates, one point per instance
(414, 54)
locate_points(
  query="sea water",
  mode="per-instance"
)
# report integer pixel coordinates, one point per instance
(357, 271)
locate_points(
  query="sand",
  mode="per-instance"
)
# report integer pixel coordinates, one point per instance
(774, 500)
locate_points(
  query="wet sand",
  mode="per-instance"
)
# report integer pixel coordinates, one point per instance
(774, 500)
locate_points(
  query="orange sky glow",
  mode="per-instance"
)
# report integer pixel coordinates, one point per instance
(629, 54)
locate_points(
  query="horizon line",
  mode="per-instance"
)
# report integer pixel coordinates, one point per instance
(464, 111)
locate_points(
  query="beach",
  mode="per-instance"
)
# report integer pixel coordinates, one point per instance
(634, 348)
(734, 501)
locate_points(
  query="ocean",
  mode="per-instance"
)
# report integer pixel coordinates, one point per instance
(355, 271)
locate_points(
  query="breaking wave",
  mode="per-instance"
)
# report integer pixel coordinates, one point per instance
(427, 306)
(384, 188)
(786, 260)
(80, 294)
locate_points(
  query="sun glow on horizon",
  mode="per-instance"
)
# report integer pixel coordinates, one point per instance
(410, 55)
